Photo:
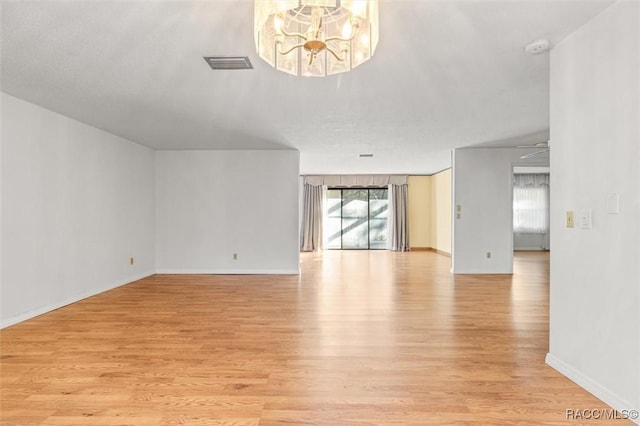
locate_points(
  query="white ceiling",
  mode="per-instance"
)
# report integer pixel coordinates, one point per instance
(446, 74)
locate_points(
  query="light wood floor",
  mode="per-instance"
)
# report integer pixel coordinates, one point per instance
(359, 338)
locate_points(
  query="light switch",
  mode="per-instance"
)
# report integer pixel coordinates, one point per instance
(585, 219)
(570, 219)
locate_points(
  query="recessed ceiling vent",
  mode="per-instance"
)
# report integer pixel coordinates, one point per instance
(229, 62)
(366, 155)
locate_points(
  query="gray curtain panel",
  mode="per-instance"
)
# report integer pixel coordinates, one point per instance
(311, 232)
(398, 226)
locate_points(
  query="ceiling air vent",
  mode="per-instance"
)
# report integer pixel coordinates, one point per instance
(229, 62)
(365, 155)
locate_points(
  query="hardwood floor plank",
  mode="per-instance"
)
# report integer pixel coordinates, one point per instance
(359, 338)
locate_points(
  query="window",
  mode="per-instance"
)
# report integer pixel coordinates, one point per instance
(531, 203)
(356, 218)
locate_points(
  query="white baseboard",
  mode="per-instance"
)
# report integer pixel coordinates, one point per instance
(76, 298)
(228, 271)
(591, 386)
(476, 272)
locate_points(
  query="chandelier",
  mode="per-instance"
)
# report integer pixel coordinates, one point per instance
(316, 37)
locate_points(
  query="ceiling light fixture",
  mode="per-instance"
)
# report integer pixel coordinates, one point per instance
(316, 37)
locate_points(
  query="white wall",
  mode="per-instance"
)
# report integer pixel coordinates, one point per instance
(211, 204)
(1, 180)
(531, 242)
(595, 273)
(77, 203)
(483, 188)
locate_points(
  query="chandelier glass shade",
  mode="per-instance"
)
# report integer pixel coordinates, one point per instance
(316, 37)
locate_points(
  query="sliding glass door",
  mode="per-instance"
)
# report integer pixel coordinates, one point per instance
(356, 218)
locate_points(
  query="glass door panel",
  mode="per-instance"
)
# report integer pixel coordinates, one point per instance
(378, 211)
(332, 226)
(355, 219)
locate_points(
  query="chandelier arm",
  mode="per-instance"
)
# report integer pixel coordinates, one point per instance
(318, 29)
(353, 35)
(341, 39)
(302, 36)
(335, 54)
(290, 50)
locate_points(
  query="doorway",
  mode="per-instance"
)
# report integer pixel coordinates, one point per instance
(531, 208)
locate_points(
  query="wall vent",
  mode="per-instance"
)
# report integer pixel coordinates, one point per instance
(229, 62)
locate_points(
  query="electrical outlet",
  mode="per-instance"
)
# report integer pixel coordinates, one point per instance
(131, 261)
(570, 219)
(488, 255)
(235, 256)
